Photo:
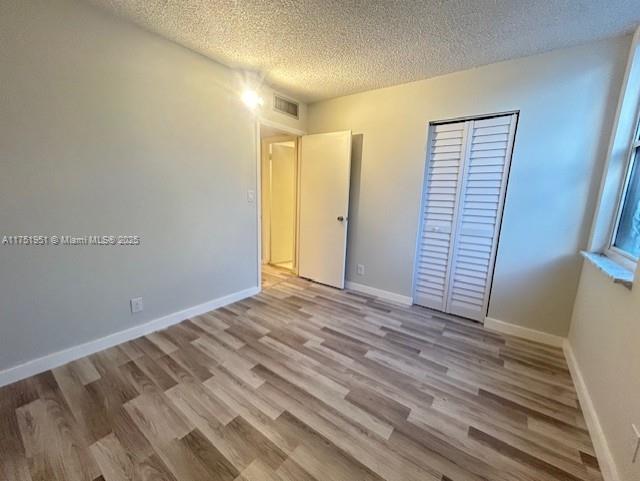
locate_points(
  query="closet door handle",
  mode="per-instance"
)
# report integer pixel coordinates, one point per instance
(340, 218)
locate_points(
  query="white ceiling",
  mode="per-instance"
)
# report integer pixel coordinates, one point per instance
(318, 49)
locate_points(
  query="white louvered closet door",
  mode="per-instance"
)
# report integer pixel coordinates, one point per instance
(477, 214)
(442, 182)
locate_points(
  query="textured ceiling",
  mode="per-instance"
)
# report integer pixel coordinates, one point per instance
(317, 49)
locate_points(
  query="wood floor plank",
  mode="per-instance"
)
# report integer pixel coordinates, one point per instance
(512, 452)
(13, 461)
(84, 370)
(112, 459)
(199, 404)
(52, 443)
(319, 457)
(303, 382)
(218, 466)
(241, 443)
(86, 410)
(152, 469)
(346, 435)
(157, 417)
(292, 471)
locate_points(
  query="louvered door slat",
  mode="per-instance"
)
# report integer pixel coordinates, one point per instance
(447, 147)
(464, 191)
(480, 209)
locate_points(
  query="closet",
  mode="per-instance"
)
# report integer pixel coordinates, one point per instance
(465, 181)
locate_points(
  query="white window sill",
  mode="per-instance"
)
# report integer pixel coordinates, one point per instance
(613, 270)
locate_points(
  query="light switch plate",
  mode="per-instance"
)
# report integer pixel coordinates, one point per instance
(251, 196)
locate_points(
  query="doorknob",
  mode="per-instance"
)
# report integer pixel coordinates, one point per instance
(341, 218)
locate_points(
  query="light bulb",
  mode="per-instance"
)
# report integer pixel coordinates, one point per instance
(251, 99)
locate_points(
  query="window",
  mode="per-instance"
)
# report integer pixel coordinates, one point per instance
(625, 243)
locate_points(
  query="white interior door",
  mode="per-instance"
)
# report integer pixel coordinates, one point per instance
(325, 170)
(465, 186)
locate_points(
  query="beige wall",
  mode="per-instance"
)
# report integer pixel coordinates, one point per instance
(566, 100)
(604, 337)
(108, 129)
(605, 327)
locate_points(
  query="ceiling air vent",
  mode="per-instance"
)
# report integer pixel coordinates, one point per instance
(285, 106)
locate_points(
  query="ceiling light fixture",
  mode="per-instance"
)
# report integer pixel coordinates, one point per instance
(251, 99)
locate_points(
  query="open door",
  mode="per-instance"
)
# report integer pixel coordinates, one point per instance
(325, 170)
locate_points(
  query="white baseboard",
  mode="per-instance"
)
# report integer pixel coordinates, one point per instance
(51, 361)
(600, 445)
(523, 332)
(386, 295)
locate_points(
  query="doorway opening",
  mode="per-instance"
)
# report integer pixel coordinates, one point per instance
(304, 203)
(279, 202)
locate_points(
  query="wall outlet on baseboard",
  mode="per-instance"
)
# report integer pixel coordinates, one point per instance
(136, 305)
(636, 450)
(360, 269)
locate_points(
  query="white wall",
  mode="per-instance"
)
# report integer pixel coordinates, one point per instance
(108, 129)
(604, 337)
(566, 100)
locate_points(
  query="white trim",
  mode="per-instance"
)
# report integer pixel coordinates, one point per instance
(618, 273)
(382, 294)
(266, 198)
(614, 172)
(523, 332)
(632, 158)
(484, 116)
(258, 203)
(621, 257)
(603, 453)
(289, 130)
(51, 361)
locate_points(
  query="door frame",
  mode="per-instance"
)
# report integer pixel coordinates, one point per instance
(427, 151)
(266, 143)
(292, 131)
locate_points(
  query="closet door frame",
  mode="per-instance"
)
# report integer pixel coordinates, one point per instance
(502, 199)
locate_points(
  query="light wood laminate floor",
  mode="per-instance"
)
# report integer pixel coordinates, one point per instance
(302, 383)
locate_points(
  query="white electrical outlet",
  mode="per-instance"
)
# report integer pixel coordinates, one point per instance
(136, 305)
(360, 268)
(636, 451)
